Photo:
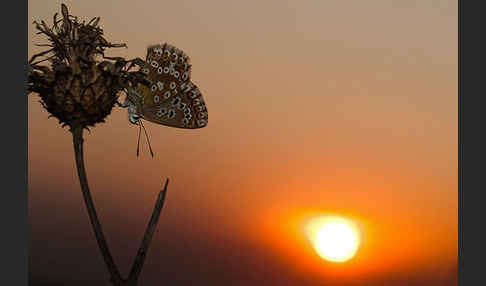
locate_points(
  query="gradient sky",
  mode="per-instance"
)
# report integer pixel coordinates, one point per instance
(315, 107)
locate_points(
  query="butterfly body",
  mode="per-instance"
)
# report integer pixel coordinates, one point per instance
(171, 99)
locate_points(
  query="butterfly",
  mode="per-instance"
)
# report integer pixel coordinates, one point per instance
(171, 98)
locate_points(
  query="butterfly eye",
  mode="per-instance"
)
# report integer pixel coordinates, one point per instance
(156, 98)
(185, 121)
(181, 106)
(176, 101)
(176, 74)
(185, 76)
(163, 111)
(174, 57)
(167, 94)
(188, 116)
(187, 110)
(196, 101)
(145, 71)
(159, 113)
(199, 108)
(154, 88)
(167, 53)
(155, 64)
(172, 114)
(160, 85)
(172, 85)
(160, 70)
(166, 70)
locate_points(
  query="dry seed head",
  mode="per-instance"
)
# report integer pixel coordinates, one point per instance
(76, 88)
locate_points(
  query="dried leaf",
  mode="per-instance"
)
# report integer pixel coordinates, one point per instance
(65, 12)
(94, 21)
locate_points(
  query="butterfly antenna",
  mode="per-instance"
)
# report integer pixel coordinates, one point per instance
(139, 132)
(148, 141)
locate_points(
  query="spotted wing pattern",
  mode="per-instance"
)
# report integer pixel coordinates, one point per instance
(171, 99)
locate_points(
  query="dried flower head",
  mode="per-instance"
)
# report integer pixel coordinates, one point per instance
(77, 88)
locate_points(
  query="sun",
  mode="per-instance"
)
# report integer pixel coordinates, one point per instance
(335, 239)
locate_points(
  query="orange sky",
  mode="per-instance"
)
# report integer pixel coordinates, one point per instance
(314, 107)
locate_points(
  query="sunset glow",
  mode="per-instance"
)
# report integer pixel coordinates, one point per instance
(330, 157)
(334, 239)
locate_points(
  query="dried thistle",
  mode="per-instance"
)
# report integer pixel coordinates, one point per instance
(76, 87)
(80, 91)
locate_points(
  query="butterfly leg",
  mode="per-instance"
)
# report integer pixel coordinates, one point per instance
(137, 61)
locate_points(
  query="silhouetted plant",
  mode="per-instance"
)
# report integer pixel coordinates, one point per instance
(80, 90)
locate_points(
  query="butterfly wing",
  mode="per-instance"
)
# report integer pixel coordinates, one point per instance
(171, 99)
(183, 110)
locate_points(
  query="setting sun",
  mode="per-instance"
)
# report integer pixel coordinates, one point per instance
(334, 238)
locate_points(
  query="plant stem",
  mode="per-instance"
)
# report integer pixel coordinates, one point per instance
(116, 278)
(149, 232)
